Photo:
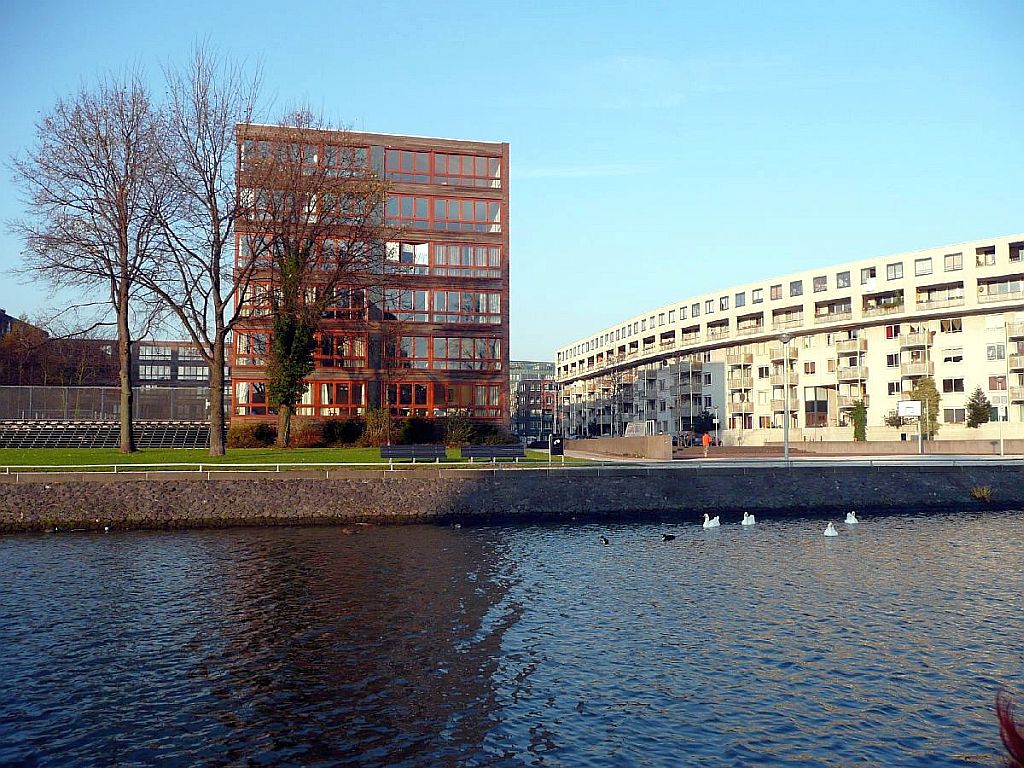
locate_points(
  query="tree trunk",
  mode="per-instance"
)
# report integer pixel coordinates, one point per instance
(124, 355)
(284, 426)
(217, 398)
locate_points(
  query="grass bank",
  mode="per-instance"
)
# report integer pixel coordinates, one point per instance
(78, 457)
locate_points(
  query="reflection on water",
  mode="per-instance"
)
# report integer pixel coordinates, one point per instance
(513, 646)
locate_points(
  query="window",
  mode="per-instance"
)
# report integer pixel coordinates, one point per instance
(192, 372)
(464, 307)
(995, 351)
(709, 306)
(757, 295)
(986, 256)
(251, 348)
(763, 372)
(150, 352)
(409, 306)
(952, 385)
(796, 288)
(1016, 251)
(867, 275)
(340, 351)
(671, 318)
(843, 279)
(403, 165)
(820, 284)
(409, 258)
(952, 325)
(776, 292)
(466, 354)
(953, 262)
(997, 382)
(467, 170)
(741, 299)
(893, 388)
(155, 372)
(892, 360)
(695, 310)
(707, 379)
(682, 313)
(341, 398)
(723, 303)
(922, 266)
(954, 415)
(809, 367)
(953, 355)
(466, 260)
(894, 271)
(250, 398)
(892, 331)
(661, 318)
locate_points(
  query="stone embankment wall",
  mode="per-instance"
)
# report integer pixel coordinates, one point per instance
(683, 494)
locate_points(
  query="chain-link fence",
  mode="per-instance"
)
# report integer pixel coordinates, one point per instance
(103, 403)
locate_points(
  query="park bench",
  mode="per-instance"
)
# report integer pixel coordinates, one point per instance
(494, 452)
(413, 452)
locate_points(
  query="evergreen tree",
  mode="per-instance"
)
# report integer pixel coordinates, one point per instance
(924, 390)
(979, 408)
(859, 417)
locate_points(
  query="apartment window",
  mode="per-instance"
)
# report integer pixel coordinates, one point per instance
(741, 299)
(892, 331)
(695, 310)
(820, 284)
(893, 388)
(867, 275)
(763, 372)
(707, 379)
(250, 398)
(953, 355)
(997, 382)
(843, 279)
(671, 317)
(1016, 251)
(954, 415)
(723, 303)
(776, 292)
(952, 385)
(192, 372)
(952, 325)
(922, 266)
(796, 288)
(150, 352)
(757, 295)
(953, 262)
(892, 360)
(707, 403)
(831, 365)
(709, 306)
(986, 256)
(808, 367)
(661, 318)
(894, 271)
(996, 351)
(154, 372)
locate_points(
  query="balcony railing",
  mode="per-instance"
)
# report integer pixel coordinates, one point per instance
(988, 298)
(717, 333)
(777, 353)
(1016, 394)
(851, 345)
(1015, 362)
(780, 323)
(739, 359)
(1015, 330)
(779, 404)
(741, 408)
(749, 330)
(833, 317)
(923, 368)
(740, 382)
(853, 373)
(779, 379)
(940, 303)
(882, 309)
(849, 401)
(918, 339)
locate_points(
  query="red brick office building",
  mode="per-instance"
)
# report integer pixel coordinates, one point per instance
(431, 336)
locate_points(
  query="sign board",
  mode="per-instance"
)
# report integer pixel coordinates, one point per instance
(639, 428)
(908, 408)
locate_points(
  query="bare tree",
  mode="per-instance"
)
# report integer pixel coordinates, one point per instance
(199, 281)
(313, 219)
(91, 184)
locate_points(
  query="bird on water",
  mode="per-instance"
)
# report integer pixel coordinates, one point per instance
(830, 530)
(667, 536)
(851, 517)
(604, 540)
(748, 519)
(711, 522)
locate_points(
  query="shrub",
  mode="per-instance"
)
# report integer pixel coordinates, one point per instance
(458, 429)
(981, 493)
(377, 429)
(343, 431)
(251, 434)
(308, 433)
(416, 430)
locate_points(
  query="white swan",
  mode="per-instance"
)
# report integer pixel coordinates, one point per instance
(851, 518)
(748, 519)
(830, 530)
(711, 522)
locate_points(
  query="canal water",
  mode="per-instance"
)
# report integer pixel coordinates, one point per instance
(514, 646)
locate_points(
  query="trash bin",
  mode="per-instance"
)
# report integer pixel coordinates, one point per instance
(556, 445)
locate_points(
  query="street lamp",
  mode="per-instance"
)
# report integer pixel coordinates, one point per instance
(785, 338)
(716, 425)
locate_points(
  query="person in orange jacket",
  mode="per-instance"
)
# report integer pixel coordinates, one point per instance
(706, 441)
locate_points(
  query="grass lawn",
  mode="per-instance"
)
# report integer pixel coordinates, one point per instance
(35, 457)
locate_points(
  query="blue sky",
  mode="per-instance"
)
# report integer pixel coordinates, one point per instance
(659, 150)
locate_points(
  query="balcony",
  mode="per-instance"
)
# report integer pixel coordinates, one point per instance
(778, 353)
(878, 310)
(1015, 330)
(787, 321)
(749, 330)
(780, 404)
(833, 317)
(918, 339)
(921, 368)
(779, 379)
(853, 373)
(1017, 394)
(739, 359)
(940, 303)
(718, 333)
(988, 298)
(1015, 362)
(740, 382)
(850, 346)
(849, 401)
(741, 408)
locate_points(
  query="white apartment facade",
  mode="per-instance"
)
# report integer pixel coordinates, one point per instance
(807, 346)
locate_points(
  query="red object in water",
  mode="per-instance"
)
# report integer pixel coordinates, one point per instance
(1009, 731)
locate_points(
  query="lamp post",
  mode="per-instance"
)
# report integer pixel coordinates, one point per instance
(785, 338)
(716, 425)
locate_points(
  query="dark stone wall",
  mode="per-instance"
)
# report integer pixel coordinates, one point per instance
(40, 502)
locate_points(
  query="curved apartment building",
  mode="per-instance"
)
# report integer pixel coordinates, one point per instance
(807, 346)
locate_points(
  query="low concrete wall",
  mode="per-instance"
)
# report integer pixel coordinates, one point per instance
(908, 447)
(679, 493)
(653, 447)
